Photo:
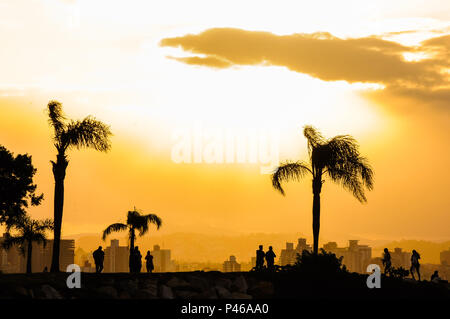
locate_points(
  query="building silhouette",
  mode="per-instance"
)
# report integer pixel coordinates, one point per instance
(231, 265)
(288, 256)
(13, 261)
(445, 257)
(87, 267)
(356, 257)
(66, 255)
(400, 258)
(162, 259)
(116, 257)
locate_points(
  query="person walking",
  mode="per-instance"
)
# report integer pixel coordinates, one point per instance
(99, 257)
(415, 265)
(149, 262)
(387, 261)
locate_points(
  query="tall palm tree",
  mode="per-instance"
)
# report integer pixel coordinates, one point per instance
(29, 231)
(88, 133)
(339, 159)
(135, 222)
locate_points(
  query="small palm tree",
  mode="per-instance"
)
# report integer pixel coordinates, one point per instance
(339, 159)
(68, 134)
(135, 222)
(29, 231)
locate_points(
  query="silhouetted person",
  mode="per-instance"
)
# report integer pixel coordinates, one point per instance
(387, 261)
(137, 259)
(435, 277)
(415, 265)
(149, 262)
(270, 258)
(45, 269)
(99, 257)
(260, 257)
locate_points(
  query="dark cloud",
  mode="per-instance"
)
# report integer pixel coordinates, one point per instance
(324, 56)
(210, 61)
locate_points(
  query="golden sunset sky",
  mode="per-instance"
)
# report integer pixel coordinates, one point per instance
(377, 70)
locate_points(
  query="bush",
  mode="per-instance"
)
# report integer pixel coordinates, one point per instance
(399, 272)
(324, 263)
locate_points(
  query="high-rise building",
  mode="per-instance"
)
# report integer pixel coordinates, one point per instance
(161, 259)
(445, 257)
(356, 257)
(66, 255)
(116, 257)
(288, 256)
(87, 267)
(400, 258)
(231, 265)
(41, 257)
(11, 260)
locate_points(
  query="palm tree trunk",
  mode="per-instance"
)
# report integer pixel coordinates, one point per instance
(131, 259)
(29, 255)
(59, 173)
(316, 221)
(317, 187)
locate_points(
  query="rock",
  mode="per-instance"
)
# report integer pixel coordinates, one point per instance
(108, 282)
(262, 289)
(176, 282)
(152, 286)
(21, 292)
(50, 293)
(150, 283)
(108, 291)
(222, 292)
(130, 286)
(185, 294)
(124, 295)
(198, 283)
(207, 294)
(239, 284)
(166, 292)
(240, 295)
(145, 294)
(223, 282)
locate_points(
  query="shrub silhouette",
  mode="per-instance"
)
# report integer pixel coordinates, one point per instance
(324, 263)
(399, 272)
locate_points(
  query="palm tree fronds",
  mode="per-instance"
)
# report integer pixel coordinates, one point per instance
(313, 136)
(9, 241)
(56, 117)
(146, 220)
(89, 133)
(114, 228)
(46, 224)
(288, 171)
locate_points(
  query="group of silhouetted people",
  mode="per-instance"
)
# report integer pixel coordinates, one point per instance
(268, 256)
(415, 265)
(135, 260)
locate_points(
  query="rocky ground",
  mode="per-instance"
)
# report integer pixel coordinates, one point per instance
(213, 285)
(194, 285)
